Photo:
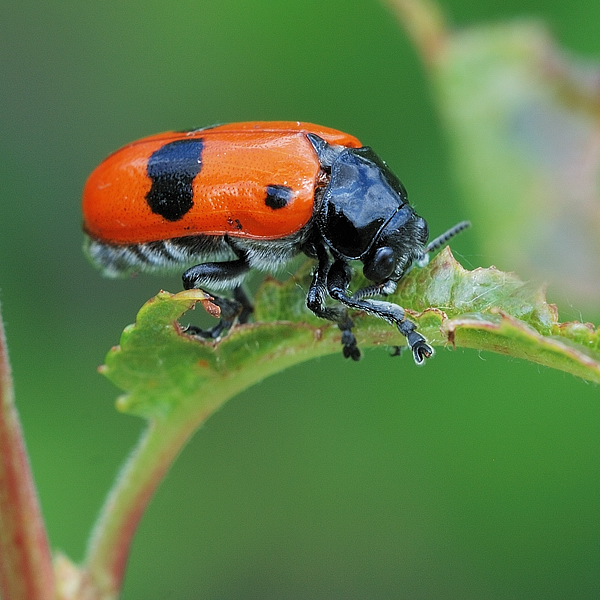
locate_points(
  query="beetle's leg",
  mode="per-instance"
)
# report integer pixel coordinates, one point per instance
(316, 302)
(338, 280)
(368, 292)
(240, 295)
(221, 275)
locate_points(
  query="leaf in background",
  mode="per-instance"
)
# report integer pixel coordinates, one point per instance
(523, 119)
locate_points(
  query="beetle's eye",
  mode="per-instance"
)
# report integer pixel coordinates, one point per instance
(381, 266)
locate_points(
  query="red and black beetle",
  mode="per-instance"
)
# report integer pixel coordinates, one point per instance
(254, 195)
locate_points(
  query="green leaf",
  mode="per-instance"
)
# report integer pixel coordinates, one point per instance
(161, 367)
(177, 381)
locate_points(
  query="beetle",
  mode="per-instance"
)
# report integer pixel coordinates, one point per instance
(222, 200)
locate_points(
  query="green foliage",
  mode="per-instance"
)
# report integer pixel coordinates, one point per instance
(177, 381)
(161, 367)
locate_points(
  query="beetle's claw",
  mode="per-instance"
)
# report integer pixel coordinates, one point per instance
(214, 333)
(419, 346)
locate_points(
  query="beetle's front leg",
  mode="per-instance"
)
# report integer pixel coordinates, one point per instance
(316, 302)
(337, 285)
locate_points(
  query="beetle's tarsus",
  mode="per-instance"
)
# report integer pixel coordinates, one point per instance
(421, 350)
(416, 342)
(349, 346)
(214, 333)
(236, 310)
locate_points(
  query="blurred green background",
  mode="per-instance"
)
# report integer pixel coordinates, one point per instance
(476, 476)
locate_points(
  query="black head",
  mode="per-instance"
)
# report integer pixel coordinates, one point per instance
(364, 212)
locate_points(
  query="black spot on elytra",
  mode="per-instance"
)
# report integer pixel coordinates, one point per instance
(172, 169)
(237, 223)
(278, 196)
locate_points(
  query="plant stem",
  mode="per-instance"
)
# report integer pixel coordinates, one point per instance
(142, 473)
(424, 22)
(26, 571)
(159, 446)
(104, 566)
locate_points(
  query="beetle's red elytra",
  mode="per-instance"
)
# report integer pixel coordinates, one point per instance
(254, 195)
(250, 180)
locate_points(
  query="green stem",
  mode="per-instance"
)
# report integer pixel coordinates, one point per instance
(159, 446)
(142, 473)
(26, 571)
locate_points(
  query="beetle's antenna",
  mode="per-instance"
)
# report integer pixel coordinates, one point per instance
(440, 240)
